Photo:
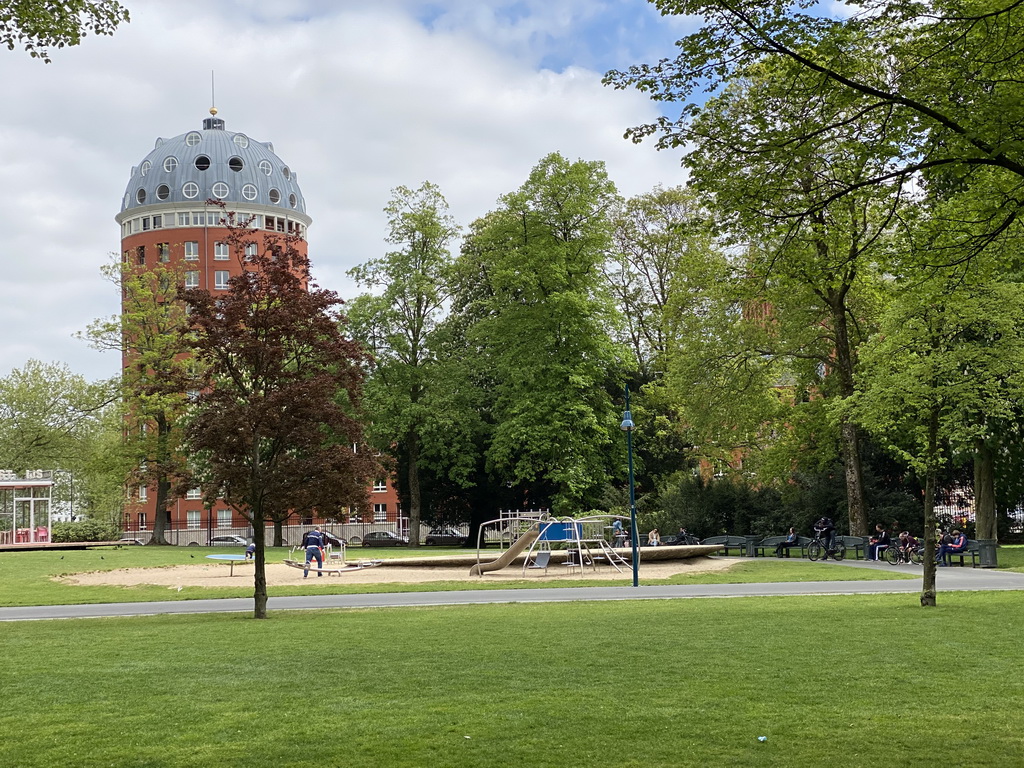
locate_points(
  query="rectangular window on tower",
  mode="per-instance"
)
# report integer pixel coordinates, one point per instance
(220, 279)
(192, 250)
(140, 254)
(251, 249)
(192, 279)
(194, 518)
(220, 251)
(163, 252)
(380, 513)
(223, 518)
(158, 221)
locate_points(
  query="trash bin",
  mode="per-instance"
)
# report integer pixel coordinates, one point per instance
(987, 553)
(752, 545)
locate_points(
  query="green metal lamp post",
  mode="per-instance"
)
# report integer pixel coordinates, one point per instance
(627, 426)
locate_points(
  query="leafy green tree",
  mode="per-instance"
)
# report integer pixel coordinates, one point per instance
(157, 378)
(945, 80)
(945, 353)
(396, 321)
(273, 430)
(39, 26)
(51, 418)
(660, 242)
(545, 315)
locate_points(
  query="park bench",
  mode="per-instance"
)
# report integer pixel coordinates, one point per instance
(739, 543)
(972, 550)
(855, 545)
(766, 547)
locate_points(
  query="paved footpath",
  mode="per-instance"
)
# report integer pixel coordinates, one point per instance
(947, 579)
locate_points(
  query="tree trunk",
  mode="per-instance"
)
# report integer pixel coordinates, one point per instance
(415, 502)
(854, 475)
(849, 433)
(928, 580)
(259, 595)
(278, 532)
(161, 515)
(984, 491)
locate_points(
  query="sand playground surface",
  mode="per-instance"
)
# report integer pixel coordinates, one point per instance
(217, 574)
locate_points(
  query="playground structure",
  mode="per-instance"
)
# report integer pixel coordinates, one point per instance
(573, 543)
(334, 562)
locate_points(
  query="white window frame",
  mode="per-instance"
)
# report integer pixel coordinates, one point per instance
(221, 252)
(194, 519)
(143, 493)
(380, 513)
(380, 486)
(223, 518)
(221, 279)
(191, 250)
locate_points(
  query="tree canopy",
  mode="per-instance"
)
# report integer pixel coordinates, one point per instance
(39, 26)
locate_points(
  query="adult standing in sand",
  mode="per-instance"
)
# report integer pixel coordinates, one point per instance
(314, 544)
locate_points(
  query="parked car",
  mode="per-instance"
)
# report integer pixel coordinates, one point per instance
(228, 541)
(384, 539)
(335, 541)
(444, 537)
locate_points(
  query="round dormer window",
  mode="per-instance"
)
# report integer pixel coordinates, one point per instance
(293, 200)
(145, 167)
(249, 192)
(236, 164)
(220, 190)
(241, 140)
(140, 196)
(202, 163)
(266, 167)
(163, 192)
(190, 190)
(193, 138)
(275, 196)
(170, 164)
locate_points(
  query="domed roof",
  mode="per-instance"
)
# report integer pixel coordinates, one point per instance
(213, 164)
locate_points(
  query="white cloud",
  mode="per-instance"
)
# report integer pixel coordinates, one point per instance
(357, 98)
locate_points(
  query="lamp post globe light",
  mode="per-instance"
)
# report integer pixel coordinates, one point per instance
(627, 426)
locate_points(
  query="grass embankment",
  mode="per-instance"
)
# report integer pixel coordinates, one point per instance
(847, 681)
(26, 578)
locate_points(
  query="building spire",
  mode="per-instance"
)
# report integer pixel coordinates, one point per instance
(213, 123)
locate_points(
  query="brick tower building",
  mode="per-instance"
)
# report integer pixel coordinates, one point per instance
(166, 216)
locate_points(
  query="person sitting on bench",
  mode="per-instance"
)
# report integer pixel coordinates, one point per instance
(782, 550)
(956, 547)
(879, 542)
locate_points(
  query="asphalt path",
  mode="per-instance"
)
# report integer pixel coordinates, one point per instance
(947, 579)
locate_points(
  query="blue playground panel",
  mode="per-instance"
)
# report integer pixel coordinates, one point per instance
(561, 532)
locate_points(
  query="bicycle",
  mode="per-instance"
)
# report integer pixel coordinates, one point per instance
(816, 549)
(896, 555)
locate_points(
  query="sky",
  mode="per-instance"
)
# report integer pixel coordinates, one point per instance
(357, 97)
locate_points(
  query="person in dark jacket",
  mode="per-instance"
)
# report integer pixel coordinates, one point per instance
(878, 542)
(826, 531)
(314, 543)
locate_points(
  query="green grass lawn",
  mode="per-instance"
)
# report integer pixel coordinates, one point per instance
(842, 681)
(26, 578)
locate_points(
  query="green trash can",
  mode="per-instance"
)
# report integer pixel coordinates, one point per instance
(752, 542)
(987, 553)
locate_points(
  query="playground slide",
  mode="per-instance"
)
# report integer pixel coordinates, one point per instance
(508, 555)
